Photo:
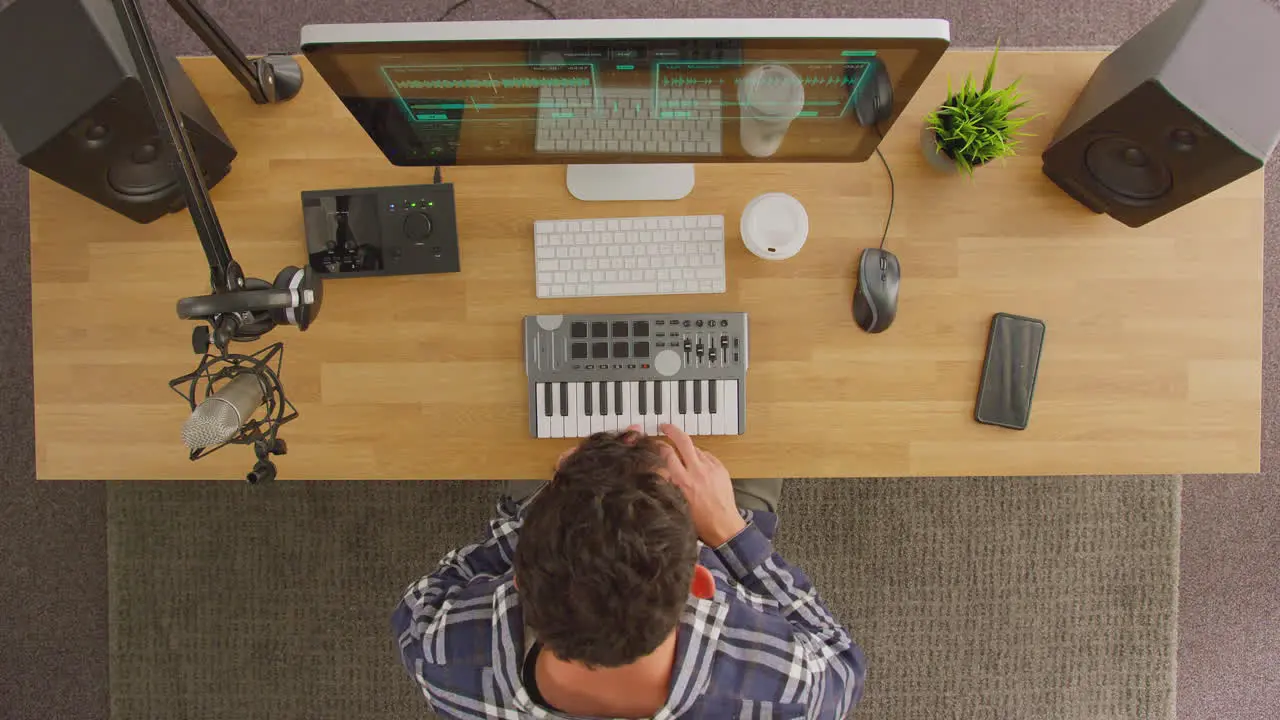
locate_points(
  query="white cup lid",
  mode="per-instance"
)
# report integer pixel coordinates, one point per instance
(775, 226)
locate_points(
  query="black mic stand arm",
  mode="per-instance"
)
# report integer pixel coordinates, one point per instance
(269, 79)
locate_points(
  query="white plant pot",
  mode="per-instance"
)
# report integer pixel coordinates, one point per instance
(938, 159)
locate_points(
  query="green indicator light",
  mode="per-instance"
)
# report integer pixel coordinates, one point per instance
(808, 113)
(858, 53)
(626, 67)
(432, 116)
(431, 204)
(413, 204)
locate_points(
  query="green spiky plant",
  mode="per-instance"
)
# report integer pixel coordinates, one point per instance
(974, 126)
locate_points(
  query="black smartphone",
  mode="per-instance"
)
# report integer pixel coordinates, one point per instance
(1009, 372)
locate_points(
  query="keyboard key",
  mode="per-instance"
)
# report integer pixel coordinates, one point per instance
(599, 330)
(681, 403)
(604, 398)
(620, 350)
(621, 329)
(697, 396)
(587, 392)
(641, 350)
(617, 398)
(600, 351)
(643, 403)
(578, 351)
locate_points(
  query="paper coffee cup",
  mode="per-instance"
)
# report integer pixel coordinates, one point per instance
(774, 226)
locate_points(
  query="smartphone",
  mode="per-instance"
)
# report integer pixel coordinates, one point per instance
(1009, 372)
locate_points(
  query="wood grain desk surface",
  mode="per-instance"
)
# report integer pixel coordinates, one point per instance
(1152, 359)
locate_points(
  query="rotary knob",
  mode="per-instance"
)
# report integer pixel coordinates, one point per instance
(417, 226)
(667, 363)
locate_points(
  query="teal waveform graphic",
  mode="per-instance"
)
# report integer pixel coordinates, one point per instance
(681, 81)
(812, 80)
(521, 82)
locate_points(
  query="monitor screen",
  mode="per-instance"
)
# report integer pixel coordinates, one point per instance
(572, 92)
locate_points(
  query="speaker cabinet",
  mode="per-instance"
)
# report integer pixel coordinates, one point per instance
(73, 109)
(1188, 104)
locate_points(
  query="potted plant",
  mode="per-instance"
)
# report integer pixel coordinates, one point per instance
(974, 126)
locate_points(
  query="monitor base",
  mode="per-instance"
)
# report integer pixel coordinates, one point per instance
(650, 181)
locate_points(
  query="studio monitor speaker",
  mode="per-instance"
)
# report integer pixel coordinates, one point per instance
(1188, 104)
(73, 109)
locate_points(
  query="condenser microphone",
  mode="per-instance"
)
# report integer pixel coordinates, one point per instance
(219, 418)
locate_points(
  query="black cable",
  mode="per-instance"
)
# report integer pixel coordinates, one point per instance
(437, 176)
(892, 193)
(546, 11)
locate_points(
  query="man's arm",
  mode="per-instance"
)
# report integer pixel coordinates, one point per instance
(460, 584)
(836, 660)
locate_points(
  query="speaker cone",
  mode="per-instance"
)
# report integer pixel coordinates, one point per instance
(1127, 171)
(144, 171)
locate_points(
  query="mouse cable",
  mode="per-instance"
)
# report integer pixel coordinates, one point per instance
(892, 192)
(545, 10)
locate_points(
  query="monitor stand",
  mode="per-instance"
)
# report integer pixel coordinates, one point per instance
(648, 181)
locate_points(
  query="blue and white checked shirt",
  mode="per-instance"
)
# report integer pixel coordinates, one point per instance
(764, 646)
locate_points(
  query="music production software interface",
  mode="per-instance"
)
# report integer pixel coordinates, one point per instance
(482, 102)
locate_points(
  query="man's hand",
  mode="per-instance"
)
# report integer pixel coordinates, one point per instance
(706, 485)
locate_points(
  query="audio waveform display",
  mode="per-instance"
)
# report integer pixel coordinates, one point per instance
(509, 83)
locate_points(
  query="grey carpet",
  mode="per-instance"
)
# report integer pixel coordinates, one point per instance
(973, 598)
(53, 613)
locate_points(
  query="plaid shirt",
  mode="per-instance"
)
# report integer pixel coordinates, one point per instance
(764, 646)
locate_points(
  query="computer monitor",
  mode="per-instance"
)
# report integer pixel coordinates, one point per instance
(628, 105)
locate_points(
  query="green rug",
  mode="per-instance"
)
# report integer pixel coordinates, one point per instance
(973, 598)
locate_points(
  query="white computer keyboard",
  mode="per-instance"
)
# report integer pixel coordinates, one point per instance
(674, 255)
(624, 120)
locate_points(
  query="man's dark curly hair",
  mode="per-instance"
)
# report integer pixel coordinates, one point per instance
(606, 554)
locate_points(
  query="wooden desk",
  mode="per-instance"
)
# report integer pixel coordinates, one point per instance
(1152, 362)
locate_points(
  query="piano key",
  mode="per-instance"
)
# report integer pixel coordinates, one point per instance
(604, 397)
(588, 390)
(730, 411)
(618, 396)
(716, 395)
(581, 423)
(543, 412)
(557, 420)
(563, 404)
(654, 391)
(624, 407)
(682, 406)
(704, 408)
(712, 399)
(659, 390)
(597, 416)
(611, 410)
(633, 394)
(668, 414)
(696, 391)
(642, 398)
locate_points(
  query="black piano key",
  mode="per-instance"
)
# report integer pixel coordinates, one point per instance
(547, 400)
(617, 398)
(657, 397)
(680, 404)
(586, 398)
(644, 399)
(697, 397)
(564, 399)
(604, 398)
(711, 395)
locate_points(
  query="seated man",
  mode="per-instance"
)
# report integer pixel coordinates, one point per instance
(630, 586)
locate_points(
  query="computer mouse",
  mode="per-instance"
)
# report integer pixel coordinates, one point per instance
(875, 297)
(874, 104)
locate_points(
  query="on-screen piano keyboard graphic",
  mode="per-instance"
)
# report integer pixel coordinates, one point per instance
(595, 373)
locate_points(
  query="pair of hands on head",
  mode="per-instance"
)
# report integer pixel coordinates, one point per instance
(704, 481)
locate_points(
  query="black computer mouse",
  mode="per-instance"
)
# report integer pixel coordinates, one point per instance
(874, 104)
(875, 298)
